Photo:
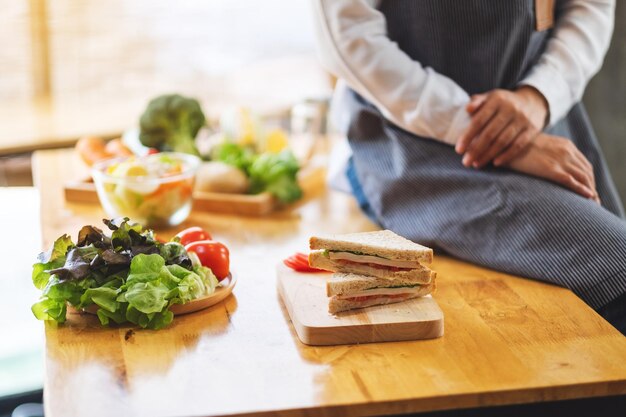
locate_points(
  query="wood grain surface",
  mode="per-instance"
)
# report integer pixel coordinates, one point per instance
(304, 296)
(507, 340)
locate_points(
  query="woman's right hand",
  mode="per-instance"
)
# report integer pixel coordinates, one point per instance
(557, 159)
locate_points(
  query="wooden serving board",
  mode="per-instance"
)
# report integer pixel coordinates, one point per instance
(304, 295)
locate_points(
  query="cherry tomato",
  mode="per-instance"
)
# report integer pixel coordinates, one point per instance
(152, 151)
(213, 255)
(193, 234)
(300, 262)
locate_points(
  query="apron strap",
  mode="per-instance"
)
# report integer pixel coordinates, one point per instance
(544, 14)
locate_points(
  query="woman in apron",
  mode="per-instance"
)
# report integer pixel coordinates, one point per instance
(441, 111)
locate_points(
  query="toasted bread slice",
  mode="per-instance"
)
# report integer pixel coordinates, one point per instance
(384, 243)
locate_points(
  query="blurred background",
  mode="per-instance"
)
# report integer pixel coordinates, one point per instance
(71, 68)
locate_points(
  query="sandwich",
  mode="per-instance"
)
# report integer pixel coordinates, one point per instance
(351, 291)
(381, 254)
(372, 268)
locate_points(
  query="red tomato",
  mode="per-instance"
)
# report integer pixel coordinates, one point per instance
(193, 234)
(213, 255)
(291, 263)
(300, 262)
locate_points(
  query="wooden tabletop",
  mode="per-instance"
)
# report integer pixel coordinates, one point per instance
(507, 340)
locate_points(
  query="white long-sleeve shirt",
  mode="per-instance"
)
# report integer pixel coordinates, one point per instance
(353, 45)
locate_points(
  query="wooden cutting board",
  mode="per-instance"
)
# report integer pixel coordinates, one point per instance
(304, 295)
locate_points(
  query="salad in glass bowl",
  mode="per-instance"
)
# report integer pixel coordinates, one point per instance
(155, 190)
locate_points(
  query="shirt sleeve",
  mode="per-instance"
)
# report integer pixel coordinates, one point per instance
(574, 53)
(353, 45)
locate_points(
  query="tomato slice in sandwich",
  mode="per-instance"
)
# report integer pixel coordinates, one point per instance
(372, 297)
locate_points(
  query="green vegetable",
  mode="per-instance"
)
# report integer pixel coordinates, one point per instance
(271, 172)
(326, 252)
(171, 123)
(276, 173)
(235, 155)
(129, 276)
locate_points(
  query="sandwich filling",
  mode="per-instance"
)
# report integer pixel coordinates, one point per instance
(369, 266)
(381, 292)
(379, 298)
(372, 260)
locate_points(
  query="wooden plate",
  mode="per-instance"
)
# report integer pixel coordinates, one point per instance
(221, 292)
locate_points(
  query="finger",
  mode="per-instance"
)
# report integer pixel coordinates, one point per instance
(515, 148)
(596, 197)
(591, 180)
(583, 178)
(581, 157)
(584, 160)
(583, 164)
(476, 101)
(502, 142)
(582, 169)
(576, 168)
(486, 137)
(478, 121)
(587, 166)
(567, 180)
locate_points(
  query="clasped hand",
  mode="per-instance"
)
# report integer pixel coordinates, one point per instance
(505, 129)
(503, 123)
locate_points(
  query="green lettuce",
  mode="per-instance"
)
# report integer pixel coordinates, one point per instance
(128, 276)
(276, 174)
(271, 172)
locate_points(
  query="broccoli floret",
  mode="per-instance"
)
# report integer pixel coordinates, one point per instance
(171, 123)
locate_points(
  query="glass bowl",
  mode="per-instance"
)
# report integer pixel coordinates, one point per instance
(154, 190)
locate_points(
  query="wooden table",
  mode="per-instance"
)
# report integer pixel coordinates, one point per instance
(508, 340)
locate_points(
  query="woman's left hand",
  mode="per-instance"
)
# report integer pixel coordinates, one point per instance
(503, 123)
(558, 160)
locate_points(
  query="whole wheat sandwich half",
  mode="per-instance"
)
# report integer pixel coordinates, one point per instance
(372, 268)
(382, 254)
